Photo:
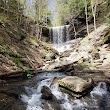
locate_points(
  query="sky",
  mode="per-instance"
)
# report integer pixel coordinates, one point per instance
(51, 5)
(30, 11)
(52, 8)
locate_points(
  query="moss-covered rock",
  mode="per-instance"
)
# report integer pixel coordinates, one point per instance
(75, 85)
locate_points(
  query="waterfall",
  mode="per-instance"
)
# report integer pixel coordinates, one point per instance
(59, 34)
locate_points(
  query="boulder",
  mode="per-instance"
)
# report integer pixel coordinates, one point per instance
(46, 93)
(54, 81)
(75, 86)
(50, 98)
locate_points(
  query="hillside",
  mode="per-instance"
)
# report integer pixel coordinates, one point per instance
(19, 51)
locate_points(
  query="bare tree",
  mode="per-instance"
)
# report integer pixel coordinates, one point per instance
(94, 7)
(41, 7)
(86, 13)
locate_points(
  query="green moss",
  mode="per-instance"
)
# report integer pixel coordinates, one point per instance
(33, 40)
(106, 38)
(66, 85)
(29, 73)
(1, 48)
(7, 53)
(3, 18)
(7, 48)
(17, 61)
(82, 65)
(11, 34)
(48, 56)
(85, 39)
(1, 40)
(108, 18)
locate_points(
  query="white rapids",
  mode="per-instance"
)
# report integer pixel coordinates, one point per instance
(34, 101)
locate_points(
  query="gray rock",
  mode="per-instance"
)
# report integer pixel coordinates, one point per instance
(75, 86)
(46, 93)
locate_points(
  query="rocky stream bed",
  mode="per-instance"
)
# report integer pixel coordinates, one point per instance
(31, 94)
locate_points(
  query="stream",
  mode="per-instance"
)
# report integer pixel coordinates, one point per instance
(98, 99)
(26, 95)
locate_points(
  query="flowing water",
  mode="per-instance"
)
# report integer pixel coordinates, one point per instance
(59, 34)
(98, 99)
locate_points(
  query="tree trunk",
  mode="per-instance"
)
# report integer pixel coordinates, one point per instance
(86, 17)
(94, 6)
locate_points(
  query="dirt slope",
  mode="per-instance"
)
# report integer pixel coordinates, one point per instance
(18, 50)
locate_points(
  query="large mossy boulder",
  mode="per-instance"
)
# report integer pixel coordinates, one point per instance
(75, 86)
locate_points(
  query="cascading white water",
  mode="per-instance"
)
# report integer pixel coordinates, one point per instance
(100, 90)
(98, 96)
(33, 96)
(59, 34)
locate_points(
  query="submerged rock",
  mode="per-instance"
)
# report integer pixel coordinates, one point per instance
(10, 103)
(50, 98)
(75, 86)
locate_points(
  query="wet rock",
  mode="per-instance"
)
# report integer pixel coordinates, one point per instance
(52, 104)
(46, 93)
(13, 92)
(75, 86)
(2, 81)
(9, 103)
(54, 81)
(51, 99)
(107, 74)
(65, 54)
(45, 31)
(95, 53)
